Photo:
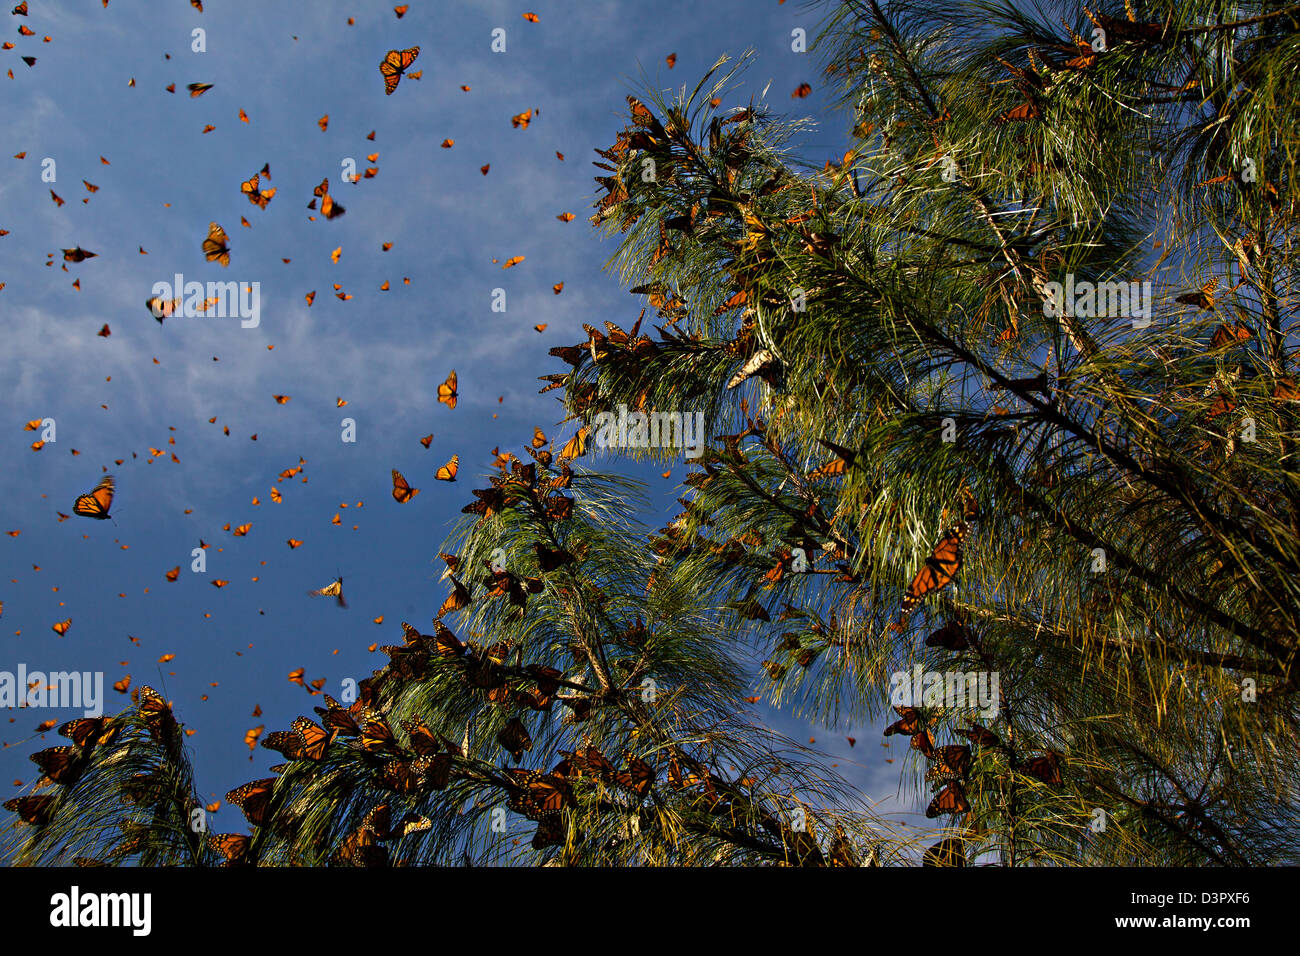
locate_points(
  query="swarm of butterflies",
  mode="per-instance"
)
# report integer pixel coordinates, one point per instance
(60, 764)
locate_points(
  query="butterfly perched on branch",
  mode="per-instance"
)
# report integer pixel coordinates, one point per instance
(937, 572)
(254, 799)
(35, 810)
(155, 711)
(232, 847)
(951, 799)
(947, 852)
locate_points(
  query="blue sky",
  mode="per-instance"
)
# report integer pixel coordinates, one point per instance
(384, 352)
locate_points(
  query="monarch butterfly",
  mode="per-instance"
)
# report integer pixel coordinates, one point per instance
(576, 446)
(491, 500)
(447, 390)
(254, 799)
(1025, 111)
(402, 491)
(89, 731)
(35, 810)
(377, 736)
(1045, 767)
(970, 506)
(313, 739)
(411, 776)
(550, 831)
(922, 741)
(394, 64)
(910, 723)
(97, 503)
(539, 796)
(581, 706)
(422, 739)
(953, 759)
(155, 711)
(255, 196)
(558, 507)
(939, 568)
(334, 589)
(589, 761)
(360, 848)
(947, 852)
(216, 246)
(951, 637)
(61, 627)
(980, 736)
(1226, 335)
(339, 719)
(951, 799)
(60, 764)
(514, 739)
(831, 469)
(448, 644)
(638, 776)
(427, 440)
(284, 742)
(329, 208)
(1202, 298)
(232, 846)
(448, 471)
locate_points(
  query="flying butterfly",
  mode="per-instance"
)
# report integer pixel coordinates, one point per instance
(448, 471)
(394, 64)
(334, 589)
(447, 391)
(96, 504)
(402, 490)
(216, 246)
(256, 196)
